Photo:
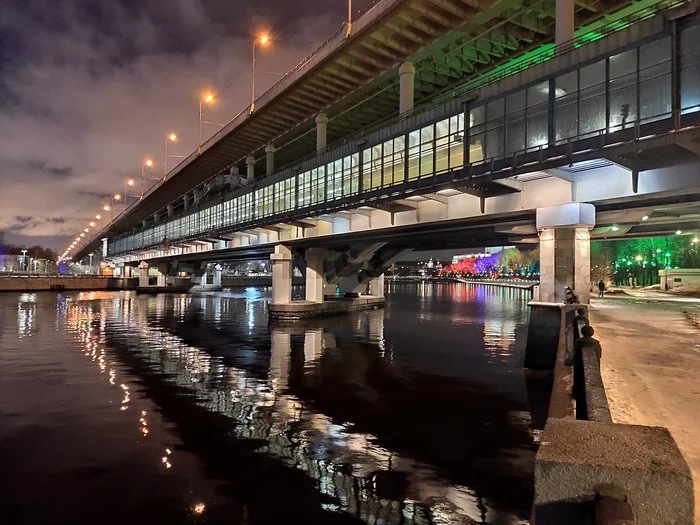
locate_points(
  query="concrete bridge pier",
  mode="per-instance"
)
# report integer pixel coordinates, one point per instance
(216, 278)
(143, 274)
(281, 275)
(315, 274)
(565, 251)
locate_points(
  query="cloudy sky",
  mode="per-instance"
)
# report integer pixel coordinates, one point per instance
(88, 88)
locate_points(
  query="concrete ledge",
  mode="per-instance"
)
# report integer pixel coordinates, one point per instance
(153, 290)
(579, 462)
(597, 408)
(306, 309)
(198, 288)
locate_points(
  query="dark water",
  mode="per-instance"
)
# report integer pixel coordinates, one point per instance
(117, 408)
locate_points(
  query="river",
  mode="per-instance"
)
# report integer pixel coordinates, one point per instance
(118, 408)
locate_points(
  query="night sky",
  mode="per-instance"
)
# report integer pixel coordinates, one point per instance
(89, 88)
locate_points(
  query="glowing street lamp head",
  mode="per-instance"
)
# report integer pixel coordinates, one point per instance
(117, 197)
(264, 39)
(208, 98)
(86, 230)
(106, 207)
(148, 163)
(82, 235)
(172, 137)
(92, 224)
(130, 182)
(98, 217)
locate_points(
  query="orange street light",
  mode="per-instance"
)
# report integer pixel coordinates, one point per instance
(171, 137)
(264, 40)
(92, 223)
(207, 98)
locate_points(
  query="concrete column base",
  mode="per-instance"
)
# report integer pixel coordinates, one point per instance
(315, 275)
(281, 275)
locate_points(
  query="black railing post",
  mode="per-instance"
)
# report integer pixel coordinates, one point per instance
(551, 134)
(675, 73)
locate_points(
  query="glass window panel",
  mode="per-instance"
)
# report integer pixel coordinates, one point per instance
(690, 70)
(566, 106)
(593, 75)
(515, 122)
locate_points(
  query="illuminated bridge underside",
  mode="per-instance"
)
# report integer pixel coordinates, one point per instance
(355, 82)
(620, 132)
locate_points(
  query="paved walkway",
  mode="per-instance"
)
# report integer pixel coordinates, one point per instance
(651, 367)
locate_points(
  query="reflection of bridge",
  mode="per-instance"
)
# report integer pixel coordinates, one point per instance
(275, 404)
(610, 119)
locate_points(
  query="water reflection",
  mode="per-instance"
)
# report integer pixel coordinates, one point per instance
(351, 419)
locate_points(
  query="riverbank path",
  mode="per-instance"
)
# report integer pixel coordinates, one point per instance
(651, 358)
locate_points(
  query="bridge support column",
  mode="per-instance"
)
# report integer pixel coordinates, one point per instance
(281, 275)
(250, 164)
(376, 286)
(565, 251)
(270, 158)
(162, 277)
(407, 78)
(564, 23)
(217, 275)
(321, 131)
(170, 210)
(203, 280)
(315, 275)
(143, 274)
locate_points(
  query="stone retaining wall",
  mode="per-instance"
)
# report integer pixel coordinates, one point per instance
(67, 283)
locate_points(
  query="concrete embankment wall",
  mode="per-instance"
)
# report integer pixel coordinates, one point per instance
(61, 283)
(589, 469)
(242, 282)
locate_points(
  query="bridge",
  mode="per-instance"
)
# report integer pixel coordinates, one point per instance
(440, 124)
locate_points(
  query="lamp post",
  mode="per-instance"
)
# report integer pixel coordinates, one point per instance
(148, 163)
(349, 24)
(264, 40)
(24, 259)
(129, 183)
(108, 208)
(172, 137)
(208, 99)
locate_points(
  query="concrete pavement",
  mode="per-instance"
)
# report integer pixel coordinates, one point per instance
(650, 367)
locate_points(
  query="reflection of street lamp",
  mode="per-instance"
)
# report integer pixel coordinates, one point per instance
(264, 40)
(24, 259)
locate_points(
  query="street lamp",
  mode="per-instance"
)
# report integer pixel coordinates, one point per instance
(128, 183)
(108, 208)
(207, 98)
(171, 137)
(148, 163)
(264, 40)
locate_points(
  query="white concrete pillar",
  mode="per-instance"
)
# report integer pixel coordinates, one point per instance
(564, 23)
(407, 78)
(281, 275)
(376, 286)
(203, 280)
(250, 163)
(270, 157)
(170, 210)
(217, 275)
(315, 275)
(565, 251)
(143, 274)
(321, 131)
(162, 277)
